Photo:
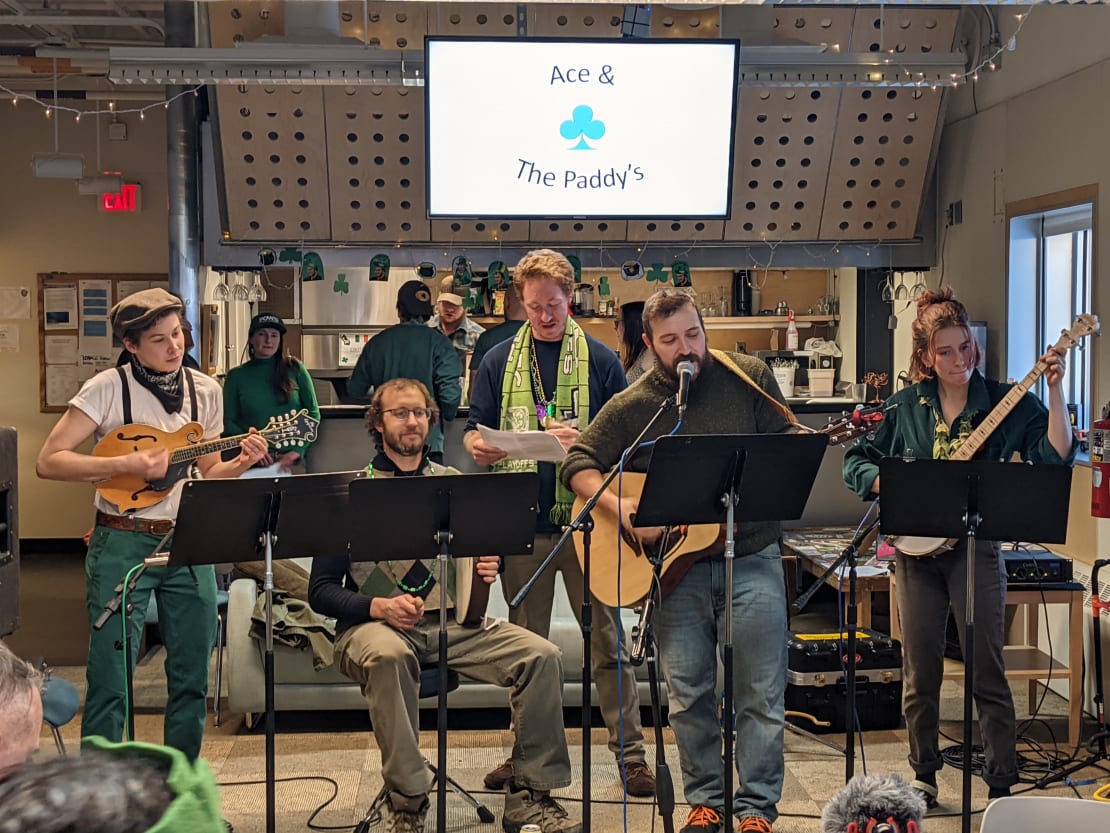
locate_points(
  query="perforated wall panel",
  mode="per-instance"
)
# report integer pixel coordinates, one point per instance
(274, 163)
(376, 163)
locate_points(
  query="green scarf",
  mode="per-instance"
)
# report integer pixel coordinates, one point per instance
(944, 444)
(571, 403)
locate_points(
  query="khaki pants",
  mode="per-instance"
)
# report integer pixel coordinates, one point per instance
(386, 663)
(534, 613)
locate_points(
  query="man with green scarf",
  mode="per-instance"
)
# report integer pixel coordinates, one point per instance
(553, 375)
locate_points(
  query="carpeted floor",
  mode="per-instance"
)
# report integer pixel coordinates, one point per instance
(321, 755)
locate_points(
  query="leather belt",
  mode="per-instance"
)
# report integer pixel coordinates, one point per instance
(132, 524)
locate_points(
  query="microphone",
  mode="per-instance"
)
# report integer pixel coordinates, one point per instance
(874, 803)
(685, 376)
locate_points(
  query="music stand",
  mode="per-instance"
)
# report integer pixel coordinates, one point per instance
(965, 500)
(704, 479)
(224, 520)
(442, 517)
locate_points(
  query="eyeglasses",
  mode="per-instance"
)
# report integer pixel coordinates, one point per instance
(401, 414)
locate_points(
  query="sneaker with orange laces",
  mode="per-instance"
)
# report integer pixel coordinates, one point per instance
(702, 819)
(754, 824)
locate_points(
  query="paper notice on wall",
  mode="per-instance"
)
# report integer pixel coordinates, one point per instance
(62, 383)
(350, 348)
(60, 349)
(95, 334)
(59, 308)
(125, 288)
(9, 338)
(15, 302)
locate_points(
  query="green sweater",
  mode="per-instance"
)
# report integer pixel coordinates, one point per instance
(412, 350)
(719, 402)
(250, 399)
(909, 429)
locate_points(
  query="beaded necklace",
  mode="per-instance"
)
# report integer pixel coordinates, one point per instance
(544, 407)
(400, 583)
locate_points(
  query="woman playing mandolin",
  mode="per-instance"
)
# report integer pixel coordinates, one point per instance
(935, 418)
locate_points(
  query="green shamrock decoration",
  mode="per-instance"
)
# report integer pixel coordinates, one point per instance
(657, 273)
(290, 256)
(340, 285)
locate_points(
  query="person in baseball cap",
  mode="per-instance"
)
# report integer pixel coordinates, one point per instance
(266, 320)
(140, 309)
(414, 300)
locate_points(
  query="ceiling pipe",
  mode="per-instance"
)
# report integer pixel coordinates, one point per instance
(106, 21)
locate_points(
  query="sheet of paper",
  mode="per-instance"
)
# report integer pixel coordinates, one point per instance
(9, 338)
(15, 302)
(60, 349)
(62, 382)
(525, 445)
(125, 288)
(59, 307)
(350, 348)
(96, 333)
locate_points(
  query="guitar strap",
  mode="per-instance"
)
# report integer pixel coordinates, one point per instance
(127, 420)
(727, 360)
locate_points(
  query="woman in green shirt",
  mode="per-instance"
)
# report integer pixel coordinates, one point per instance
(271, 383)
(930, 419)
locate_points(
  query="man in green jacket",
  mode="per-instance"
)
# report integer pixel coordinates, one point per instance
(412, 350)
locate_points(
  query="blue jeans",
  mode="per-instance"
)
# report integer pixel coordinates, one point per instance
(691, 628)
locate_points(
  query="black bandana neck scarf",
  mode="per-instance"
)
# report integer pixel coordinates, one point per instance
(166, 387)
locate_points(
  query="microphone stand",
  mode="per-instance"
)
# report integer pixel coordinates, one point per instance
(847, 556)
(123, 590)
(584, 523)
(643, 647)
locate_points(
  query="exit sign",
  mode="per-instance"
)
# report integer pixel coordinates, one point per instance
(126, 200)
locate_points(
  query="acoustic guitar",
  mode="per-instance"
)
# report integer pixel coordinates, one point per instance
(919, 546)
(130, 491)
(680, 547)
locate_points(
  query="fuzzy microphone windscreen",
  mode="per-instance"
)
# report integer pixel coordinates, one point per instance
(873, 797)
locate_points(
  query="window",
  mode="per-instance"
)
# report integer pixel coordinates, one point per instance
(1049, 284)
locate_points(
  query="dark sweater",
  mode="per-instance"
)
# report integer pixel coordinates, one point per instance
(412, 350)
(606, 379)
(719, 402)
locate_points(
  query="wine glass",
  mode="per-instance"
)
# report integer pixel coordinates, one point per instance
(256, 292)
(220, 292)
(239, 290)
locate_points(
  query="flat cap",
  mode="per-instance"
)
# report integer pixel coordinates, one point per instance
(141, 308)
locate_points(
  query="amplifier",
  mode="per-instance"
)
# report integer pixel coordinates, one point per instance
(1036, 566)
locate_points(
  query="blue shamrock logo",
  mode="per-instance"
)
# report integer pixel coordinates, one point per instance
(581, 125)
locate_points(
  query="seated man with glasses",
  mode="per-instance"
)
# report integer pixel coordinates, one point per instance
(388, 626)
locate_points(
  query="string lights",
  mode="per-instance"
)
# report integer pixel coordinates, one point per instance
(988, 64)
(112, 110)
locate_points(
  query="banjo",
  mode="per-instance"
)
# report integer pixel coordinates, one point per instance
(1084, 325)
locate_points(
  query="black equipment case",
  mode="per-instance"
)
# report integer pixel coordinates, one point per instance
(816, 680)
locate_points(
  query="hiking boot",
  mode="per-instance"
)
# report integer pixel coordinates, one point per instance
(408, 819)
(639, 779)
(754, 824)
(498, 778)
(928, 792)
(524, 806)
(702, 819)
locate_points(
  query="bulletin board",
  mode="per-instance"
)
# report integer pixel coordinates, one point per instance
(75, 335)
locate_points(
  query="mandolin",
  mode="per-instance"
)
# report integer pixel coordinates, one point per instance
(1084, 325)
(681, 546)
(130, 491)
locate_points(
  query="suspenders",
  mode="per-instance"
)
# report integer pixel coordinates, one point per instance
(127, 419)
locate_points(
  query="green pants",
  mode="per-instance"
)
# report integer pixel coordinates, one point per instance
(186, 617)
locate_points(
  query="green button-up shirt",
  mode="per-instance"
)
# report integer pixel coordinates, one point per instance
(909, 429)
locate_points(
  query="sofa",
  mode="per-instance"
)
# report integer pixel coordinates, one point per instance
(297, 686)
